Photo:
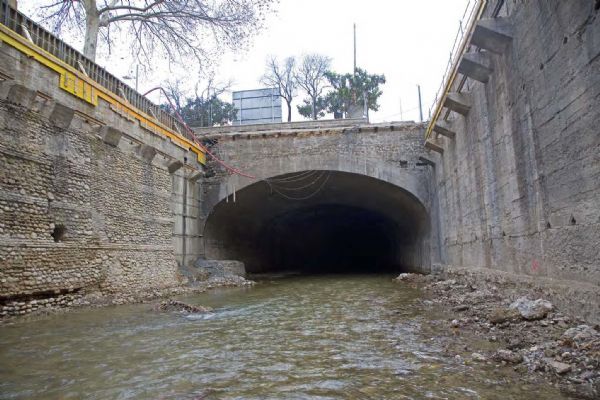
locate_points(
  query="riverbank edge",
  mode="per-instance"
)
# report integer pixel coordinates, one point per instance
(563, 346)
(578, 299)
(70, 301)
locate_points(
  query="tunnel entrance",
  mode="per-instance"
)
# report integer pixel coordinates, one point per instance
(320, 222)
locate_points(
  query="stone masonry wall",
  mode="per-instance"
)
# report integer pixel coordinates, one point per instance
(115, 213)
(115, 209)
(519, 186)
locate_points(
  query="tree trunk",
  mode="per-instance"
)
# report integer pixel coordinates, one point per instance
(314, 108)
(92, 28)
(289, 105)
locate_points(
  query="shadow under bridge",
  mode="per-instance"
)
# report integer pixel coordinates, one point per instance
(320, 222)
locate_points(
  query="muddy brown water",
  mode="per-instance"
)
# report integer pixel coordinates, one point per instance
(324, 337)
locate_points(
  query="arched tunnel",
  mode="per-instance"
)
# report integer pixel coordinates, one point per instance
(320, 222)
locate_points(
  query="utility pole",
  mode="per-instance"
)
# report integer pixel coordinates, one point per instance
(355, 49)
(365, 106)
(420, 105)
(400, 101)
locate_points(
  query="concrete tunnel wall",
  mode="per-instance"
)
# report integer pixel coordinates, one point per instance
(377, 182)
(348, 223)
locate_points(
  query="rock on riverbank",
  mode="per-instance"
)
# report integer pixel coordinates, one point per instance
(176, 305)
(532, 335)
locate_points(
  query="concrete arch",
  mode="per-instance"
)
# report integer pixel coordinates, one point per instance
(411, 179)
(345, 222)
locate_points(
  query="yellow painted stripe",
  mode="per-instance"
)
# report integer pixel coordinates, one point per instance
(85, 88)
(448, 86)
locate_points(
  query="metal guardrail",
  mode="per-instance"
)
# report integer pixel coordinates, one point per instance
(471, 15)
(19, 23)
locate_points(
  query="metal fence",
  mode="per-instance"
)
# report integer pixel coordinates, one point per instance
(21, 24)
(458, 47)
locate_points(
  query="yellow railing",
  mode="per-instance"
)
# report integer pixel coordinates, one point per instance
(85, 88)
(471, 16)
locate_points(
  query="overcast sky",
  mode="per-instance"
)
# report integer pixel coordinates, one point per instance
(407, 40)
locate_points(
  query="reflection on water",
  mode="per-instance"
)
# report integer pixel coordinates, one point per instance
(327, 337)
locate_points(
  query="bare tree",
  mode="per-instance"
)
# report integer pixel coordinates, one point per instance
(177, 27)
(283, 77)
(311, 77)
(203, 107)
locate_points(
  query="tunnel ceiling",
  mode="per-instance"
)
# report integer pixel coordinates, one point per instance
(319, 221)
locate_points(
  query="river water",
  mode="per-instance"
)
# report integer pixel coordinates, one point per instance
(325, 337)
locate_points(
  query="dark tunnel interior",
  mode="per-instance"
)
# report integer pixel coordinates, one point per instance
(336, 222)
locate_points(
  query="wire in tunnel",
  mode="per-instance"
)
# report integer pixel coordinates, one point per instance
(320, 221)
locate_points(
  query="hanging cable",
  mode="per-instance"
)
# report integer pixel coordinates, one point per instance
(270, 181)
(229, 168)
(300, 177)
(303, 186)
(303, 197)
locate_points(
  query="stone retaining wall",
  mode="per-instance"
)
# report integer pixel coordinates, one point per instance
(114, 210)
(519, 185)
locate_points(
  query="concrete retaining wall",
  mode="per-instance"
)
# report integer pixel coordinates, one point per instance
(519, 186)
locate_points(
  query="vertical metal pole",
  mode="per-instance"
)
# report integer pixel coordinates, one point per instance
(420, 105)
(210, 121)
(355, 48)
(365, 106)
(400, 101)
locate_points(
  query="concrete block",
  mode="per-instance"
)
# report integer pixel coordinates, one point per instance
(221, 268)
(110, 135)
(437, 269)
(445, 129)
(458, 102)
(174, 166)
(61, 115)
(195, 176)
(5, 86)
(476, 66)
(427, 161)
(147, 152)
(19, 94)
(493, 34)
(434, 145)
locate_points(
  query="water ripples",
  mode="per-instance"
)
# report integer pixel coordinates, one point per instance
(305, 337)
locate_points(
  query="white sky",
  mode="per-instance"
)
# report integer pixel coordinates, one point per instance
(407, 40)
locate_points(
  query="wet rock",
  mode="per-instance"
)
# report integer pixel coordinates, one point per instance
(175, 305)
(580, 334)
(412, 278)
(557, 366)
(532, 309)
(403, 277)
(508, 356)
(588, 375)
(502, 315)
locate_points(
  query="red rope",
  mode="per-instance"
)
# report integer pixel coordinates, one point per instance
(229, 168)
